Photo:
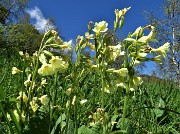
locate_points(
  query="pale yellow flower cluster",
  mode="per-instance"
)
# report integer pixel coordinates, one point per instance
(120, 15)
(100, 27)
(56, 65)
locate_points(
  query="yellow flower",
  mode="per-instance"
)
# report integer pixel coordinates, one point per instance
(61, 69)
(83, 101)
(162, 49)
(56, 62)
(21, 53)
(135, 82)
(66, 45)
(120, 13)
(34, 105)
(89, 36)
(44, 100)
(150, 37)
(114, 51)
(42, 58)
(16, 115)
(28, 81)
(137, 32)
(100, 27)
(68, 91)
(45, 70)
(15, 70)
(22, 96)
(121, 72)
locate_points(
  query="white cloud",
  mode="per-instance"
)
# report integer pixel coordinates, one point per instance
(41, 23)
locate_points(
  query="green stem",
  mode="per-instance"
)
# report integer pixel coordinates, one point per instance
(125, 109)
(54, 95)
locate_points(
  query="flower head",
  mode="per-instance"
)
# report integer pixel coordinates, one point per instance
(44, 100)
(66, 45)
(34, 105)
(56, 62)
(15, 70)
(162, 49)
(22, 96)
(100, 27)
(45, 70)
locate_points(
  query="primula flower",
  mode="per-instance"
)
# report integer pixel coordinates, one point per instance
(66, 45)
(135, 82)
(100, 27)
(56, 62)
(89, 36)
(68, 91)
(16, 115)
(45, 70)
(120, 13)
(28, 81)
(83, 101)
(15, 70)
(137, 31)
(22, 96)
(121, 72)
(34, 105)
(42, 58)
(162, 49)
(114, 51)
(44, 100)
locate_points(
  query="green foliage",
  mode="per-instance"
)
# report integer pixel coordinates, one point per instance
(22, 37)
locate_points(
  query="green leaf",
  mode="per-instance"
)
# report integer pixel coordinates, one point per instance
(59, 120)
(85, 130)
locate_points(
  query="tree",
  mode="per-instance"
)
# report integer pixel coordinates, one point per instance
(168, 29)
(24, 37)
(12, 10)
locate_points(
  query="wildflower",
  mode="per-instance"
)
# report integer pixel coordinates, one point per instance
(115, 51)
(45, 70)
(16, 115)
(100, 27)
(89, 36)
(15, 70)
(157, 59)
(120, 13)
(34, 105)
(83, 101)
(61, 69)
(28, 81)
(162, 49)
(56, 62)
(22, 96)
(138, 32)
(135, 82)
(121, 72)
(68, 91)
(44, 100)
(42, 58)
(150, 37)
(21, 53)
(66, 45)
(73, 101)
(23, 117)
(67, 104)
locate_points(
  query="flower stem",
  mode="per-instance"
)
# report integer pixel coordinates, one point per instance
(125, 109)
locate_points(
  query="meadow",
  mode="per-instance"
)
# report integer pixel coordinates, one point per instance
(49, 93)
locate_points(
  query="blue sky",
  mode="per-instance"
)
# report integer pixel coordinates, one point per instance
(72, 16)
